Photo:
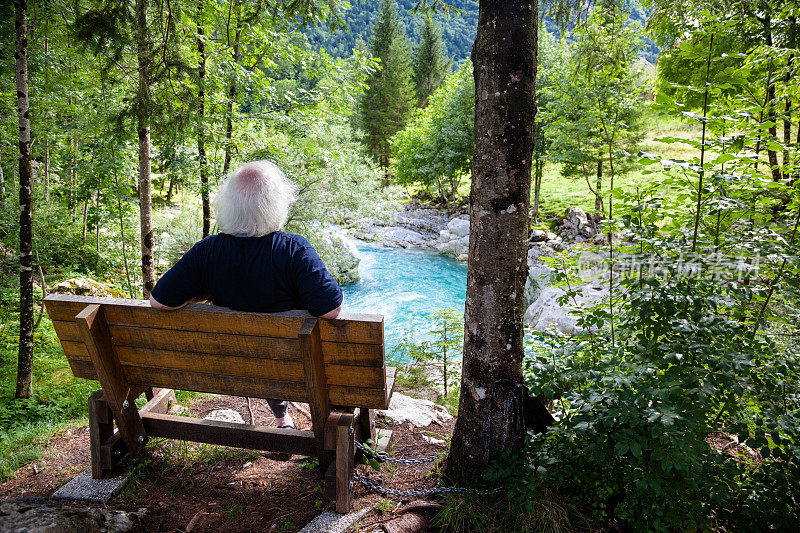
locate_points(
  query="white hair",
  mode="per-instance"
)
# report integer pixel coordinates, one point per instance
(254, 200)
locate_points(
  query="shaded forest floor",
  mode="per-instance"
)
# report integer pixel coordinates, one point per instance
(225, 488)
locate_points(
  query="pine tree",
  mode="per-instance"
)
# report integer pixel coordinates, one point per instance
(430, 62)
(389, 98)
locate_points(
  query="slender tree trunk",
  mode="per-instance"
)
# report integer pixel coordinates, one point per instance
(143, 131)
(46, 170)
(46, 139)
(24, 387)
(537, 186)
(772, 155)
(598, 197)
(201, 107)
(492, 390)
(2, 181)
(232, 96)
(83, 219)
(97, 226)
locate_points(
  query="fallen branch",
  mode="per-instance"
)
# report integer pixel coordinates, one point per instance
(413, 519)
(194, 520)
(301, 409)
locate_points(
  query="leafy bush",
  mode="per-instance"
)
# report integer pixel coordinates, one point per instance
(637, 409)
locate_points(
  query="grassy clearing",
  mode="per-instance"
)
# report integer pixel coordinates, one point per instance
(558, 193)
(58, 401)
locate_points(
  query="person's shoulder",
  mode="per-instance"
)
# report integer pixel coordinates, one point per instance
(207, 242)
(292, 239)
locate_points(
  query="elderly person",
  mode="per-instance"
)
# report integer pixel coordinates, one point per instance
(251, 265)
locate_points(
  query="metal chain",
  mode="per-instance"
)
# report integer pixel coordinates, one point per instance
(382, 457)
(426, 492)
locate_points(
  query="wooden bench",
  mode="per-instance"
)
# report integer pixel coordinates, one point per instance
(337, 366)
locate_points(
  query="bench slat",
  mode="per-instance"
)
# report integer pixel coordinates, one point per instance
(364, 397)
(348, 327)
(230, 434)
(339, 353)
(82, 367)
(215, 383)
(212, 363)
(202, 342)
(371, 377)
(74, 349)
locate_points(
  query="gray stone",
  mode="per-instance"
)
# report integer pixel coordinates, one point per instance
(225, 415)
(40, 515)
(83, 488)
(419, 413)
(577, 225)
(455, 247)
(546, 313)
(402, 237)
(538, 235)
(538, 278)
(329, 522)
(459, 226)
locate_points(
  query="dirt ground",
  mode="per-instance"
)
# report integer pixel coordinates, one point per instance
(195, 487)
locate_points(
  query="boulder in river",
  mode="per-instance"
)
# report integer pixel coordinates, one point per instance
(545, 313)
(458, 226)
(401, 237)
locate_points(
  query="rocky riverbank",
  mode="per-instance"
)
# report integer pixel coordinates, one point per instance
(420, 226)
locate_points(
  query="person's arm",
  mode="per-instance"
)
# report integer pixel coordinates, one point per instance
(330, 315)
(155, 304)
(182, 284)
(318, 291)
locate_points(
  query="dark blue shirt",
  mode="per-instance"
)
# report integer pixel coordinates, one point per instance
(273, 273)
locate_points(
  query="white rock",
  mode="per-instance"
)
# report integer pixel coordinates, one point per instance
(394, 236)
(538, 278)
(459, 226)
(432, 440)
(329, 522)
(455, 247)
(546, 313)
(538, 235)
(225, 415)
(419, 413)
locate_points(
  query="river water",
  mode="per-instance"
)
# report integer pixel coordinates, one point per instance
(405, 286)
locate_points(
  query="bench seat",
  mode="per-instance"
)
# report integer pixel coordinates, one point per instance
(337, 366)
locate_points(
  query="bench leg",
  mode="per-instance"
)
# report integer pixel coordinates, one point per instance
(366, 424)
(101, 429)
(345, 452)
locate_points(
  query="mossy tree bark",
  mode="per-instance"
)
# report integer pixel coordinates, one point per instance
(492, 390)
(25, 358)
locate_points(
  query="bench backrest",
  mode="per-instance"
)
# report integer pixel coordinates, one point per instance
(214, 349)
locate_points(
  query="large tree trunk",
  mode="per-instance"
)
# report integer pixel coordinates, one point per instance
(201, 109)
(143, 131)
(232, 95)
(490, 416)
(25, 359)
